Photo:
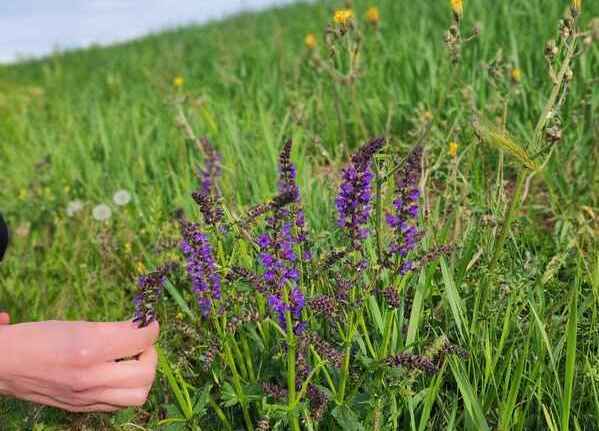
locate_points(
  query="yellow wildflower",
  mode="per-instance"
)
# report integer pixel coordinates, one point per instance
(373, 16)
(516, 74)
(178, 81)
(310, 41)
(576, 4)
(140, 267)
(453, 149)
(343, 16)
(457, 6)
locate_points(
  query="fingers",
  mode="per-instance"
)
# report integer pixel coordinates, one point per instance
(118, 397)
(120, 340)
(133, 373)
(4, 318)
(49, 401)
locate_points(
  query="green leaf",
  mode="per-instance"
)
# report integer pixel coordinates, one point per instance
(201, 401)
(172, 290)
(229, 396)
(347, 419)
(431, 396)
(178, 387)
(570, 360)
(470, 400)
(375, 313)
(454, 299)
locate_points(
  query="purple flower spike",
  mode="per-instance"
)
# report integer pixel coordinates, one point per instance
(355, 193)
(403, 220)
(207, 196)
(201, 266)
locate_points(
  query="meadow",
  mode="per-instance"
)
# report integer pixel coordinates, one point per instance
(509, 197)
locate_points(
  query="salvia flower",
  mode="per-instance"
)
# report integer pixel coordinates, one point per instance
(207, 196)
(403, 219)
(412, 361)
(280, 245)
(353, 201)
(201, 266)
(150, 289)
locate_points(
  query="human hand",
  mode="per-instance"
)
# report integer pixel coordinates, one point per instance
(72, 365)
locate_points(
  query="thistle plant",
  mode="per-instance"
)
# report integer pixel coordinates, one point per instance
(288, 336)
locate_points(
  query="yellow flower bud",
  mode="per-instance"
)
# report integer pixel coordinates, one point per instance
(373, 16)
(453, 149)
(178, 81)
(457, 6)
(310, 41)
(516, 74)
(343, 16)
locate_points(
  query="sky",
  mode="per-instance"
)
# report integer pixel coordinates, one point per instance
(33, 28)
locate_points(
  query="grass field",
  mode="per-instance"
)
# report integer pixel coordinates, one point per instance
(84, 124)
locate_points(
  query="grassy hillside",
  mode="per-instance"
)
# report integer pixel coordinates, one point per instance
(84, 124)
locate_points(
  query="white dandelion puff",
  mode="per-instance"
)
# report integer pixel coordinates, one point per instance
(74, 207)
(101, 212)
(122, 197)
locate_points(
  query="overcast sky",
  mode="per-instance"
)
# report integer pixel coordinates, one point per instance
(37, 27)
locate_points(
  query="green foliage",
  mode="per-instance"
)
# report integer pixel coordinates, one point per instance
(84, 124)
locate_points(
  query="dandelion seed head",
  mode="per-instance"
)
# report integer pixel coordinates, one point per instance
(102, 212)
(121, 197)
(74, 207)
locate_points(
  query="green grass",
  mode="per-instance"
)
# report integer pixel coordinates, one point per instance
(84, 124)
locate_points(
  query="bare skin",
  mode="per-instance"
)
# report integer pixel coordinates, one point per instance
(72, 365)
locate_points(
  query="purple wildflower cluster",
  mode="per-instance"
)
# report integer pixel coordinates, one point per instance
(150, 289)
(201, 266)
(355, 192)
(207, 196)
(285, 234)
(403, 220)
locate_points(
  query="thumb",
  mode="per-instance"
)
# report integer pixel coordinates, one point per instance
(4, 318)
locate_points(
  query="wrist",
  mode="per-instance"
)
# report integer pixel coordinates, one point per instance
(4, 369)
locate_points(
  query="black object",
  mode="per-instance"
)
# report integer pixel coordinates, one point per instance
(3, 237)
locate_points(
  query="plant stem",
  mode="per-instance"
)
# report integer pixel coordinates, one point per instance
(514, 205)
(379, 211)
(291, 373)
(219, 413)
(346, 358)
(237, 384)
